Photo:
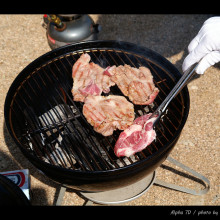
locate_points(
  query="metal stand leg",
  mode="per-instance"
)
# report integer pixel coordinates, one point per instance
(183, 189)
(61, 195)
(156, 181)
(88, 203)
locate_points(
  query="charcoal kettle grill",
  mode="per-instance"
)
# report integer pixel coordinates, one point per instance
(51, 131)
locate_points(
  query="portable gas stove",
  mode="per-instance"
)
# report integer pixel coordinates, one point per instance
(63, 29)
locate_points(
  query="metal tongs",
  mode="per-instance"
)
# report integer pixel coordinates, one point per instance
(187, 75)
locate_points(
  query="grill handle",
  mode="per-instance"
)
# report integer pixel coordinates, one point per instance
(185, 78)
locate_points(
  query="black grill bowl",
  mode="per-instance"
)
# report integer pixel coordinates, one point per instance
(51, 131)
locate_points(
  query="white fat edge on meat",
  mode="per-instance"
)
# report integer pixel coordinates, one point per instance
(151, 133)
(132, 129)
(128, 152)
(150, 120)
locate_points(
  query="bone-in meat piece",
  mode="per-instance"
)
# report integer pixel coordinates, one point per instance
(108, 113)
(88, 79)
(136, 83)
(136, 137)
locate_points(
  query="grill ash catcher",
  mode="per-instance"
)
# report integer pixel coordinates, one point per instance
(134, 191)
(51, 131)
(63, 29)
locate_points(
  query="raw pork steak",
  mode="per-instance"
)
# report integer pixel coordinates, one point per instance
(136, 137)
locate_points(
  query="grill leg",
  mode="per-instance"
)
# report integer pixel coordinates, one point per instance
(183, 189)
(88, 203)
(60, 195)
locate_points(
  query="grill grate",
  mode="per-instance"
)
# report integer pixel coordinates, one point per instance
(51, 126)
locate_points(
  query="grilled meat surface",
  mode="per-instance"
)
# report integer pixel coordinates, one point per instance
(108, 113)
(135, 83)
(136, 137)
(88, 79)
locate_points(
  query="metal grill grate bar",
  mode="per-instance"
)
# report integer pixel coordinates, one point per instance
(56, 130)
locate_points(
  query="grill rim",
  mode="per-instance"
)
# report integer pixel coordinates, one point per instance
(158, 59)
